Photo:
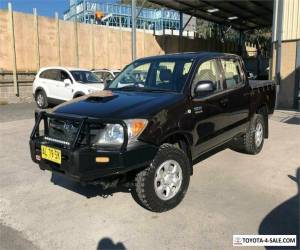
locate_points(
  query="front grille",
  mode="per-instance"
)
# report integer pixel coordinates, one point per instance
(72, 131)
(63, 132)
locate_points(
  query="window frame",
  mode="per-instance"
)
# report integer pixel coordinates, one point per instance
(47, 71)
(241, 72)
(62, 70)
(221, 78)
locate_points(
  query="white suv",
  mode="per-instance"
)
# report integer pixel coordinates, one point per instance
(58, 84)
(106, 75)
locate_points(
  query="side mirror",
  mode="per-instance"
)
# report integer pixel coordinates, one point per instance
(203, 88)
(67, 82)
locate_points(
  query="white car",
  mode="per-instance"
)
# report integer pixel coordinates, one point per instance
(53, 85)
(106, 75)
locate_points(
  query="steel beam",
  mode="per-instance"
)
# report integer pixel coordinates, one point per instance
(133, 29)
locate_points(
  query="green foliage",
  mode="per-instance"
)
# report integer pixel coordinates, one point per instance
(261, 37)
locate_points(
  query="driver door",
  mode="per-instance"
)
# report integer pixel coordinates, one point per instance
(65, 89)
(209, 111)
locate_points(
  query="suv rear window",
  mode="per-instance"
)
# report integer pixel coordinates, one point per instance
(52, 74)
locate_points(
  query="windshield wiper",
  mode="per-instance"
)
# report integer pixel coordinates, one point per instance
(158, 90)
(129, 88)
(137, 88)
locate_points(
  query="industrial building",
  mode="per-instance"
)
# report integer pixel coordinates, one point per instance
(116, 14)
(281, 15)
(286, 52)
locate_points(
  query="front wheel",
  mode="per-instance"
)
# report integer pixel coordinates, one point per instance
(41, 99)
(162, 185)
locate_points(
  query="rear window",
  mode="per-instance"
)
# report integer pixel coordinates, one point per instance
(52, 74)
(232, 72)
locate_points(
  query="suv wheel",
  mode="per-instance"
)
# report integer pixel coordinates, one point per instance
(41, 99)
(163, 184)
(252, 142)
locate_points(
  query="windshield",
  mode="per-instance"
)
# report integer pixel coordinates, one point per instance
(84, 76)
(154, 75)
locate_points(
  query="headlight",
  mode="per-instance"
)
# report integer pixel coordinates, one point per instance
(113, 134)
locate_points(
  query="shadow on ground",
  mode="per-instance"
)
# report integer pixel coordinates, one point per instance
(284, 219)
(88, 191)
(108, 244)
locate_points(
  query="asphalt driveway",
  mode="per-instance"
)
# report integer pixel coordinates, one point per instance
(230, 193)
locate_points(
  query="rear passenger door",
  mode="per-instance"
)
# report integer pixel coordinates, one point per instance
(49, 80)
(238, 91)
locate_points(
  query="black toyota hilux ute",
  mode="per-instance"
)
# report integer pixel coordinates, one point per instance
(153, 121)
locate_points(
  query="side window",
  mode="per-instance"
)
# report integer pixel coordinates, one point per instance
(44, 74)
(100, 76)
(232, 73)
(208, 71)
(107, 76)
(64, 75)
(165, 72)
(51, 74)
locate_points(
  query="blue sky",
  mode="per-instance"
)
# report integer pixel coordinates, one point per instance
(44, 7)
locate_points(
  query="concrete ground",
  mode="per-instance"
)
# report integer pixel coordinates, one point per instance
(230, 193)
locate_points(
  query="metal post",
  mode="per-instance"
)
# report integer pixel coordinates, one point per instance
(297, 82)
(58, 38)
(240, 48)
(76, 43)
(93, 45)
(133, 29)
(121, 41)
(107, 45)
(180, 32)
(144, 39)
(13, 49)
(279, 16)
(36, 38)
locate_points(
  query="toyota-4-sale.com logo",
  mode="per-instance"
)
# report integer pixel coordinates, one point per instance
(264, 240)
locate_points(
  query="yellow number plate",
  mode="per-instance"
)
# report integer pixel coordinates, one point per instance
(51, 154)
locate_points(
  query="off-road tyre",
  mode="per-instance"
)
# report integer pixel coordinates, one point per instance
(246, 143)
(144, 180)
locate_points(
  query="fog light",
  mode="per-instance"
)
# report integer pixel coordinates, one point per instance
(102, 159)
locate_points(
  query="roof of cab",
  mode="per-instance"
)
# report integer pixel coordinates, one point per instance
(188, 55)
(63, 68)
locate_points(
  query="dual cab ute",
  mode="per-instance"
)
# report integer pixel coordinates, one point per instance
(146, 130)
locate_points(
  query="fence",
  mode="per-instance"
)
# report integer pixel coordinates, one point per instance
(28, 42)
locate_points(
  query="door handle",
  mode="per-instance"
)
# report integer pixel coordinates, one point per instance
(224, 101)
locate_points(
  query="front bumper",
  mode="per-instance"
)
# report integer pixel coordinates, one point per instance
(80, 164)
(79, 161)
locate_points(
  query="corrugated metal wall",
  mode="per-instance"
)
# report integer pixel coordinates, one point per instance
(291, 20)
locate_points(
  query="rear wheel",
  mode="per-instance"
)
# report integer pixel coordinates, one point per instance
(252, 142)
(162, 185)
(41, 99)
